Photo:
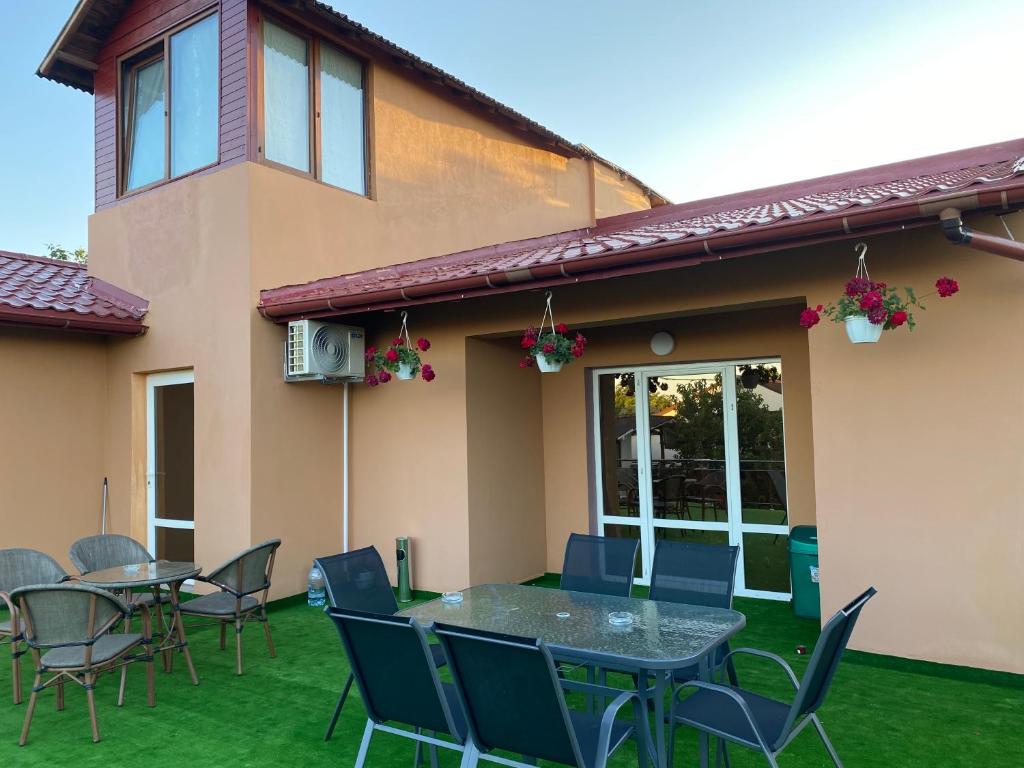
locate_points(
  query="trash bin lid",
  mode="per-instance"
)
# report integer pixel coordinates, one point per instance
(803, 540)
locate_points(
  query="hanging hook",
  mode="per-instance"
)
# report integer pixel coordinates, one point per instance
(861, 249)
(405, 316)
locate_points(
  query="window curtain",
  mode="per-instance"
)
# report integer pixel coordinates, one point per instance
(285, 98)
(194, 96)
(341, 120)
(146, 161)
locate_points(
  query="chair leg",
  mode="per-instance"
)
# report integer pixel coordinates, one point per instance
(338, 706)
(223, 635)
(470, 756)
(270, 638)
(417, 756)
(825, 740)
(364, 745)
(60, 694)
(31, 709)
(150, 688)
(238, 645)
(124, 681)
(91, 699)
(15, 671)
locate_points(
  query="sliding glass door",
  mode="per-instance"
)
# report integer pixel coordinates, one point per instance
(696, 453)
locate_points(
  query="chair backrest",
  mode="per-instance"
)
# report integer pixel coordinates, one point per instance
(358, 581)
(66, 614)
(510, 694)
(248, 571)
(394, 669)
(694, 573)
(107, 550)
(825, 659)
(23, 567)
(599, 564)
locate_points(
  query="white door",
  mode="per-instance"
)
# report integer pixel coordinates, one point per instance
(711, 467)
(170, 459)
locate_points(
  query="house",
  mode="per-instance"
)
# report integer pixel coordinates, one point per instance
(264, 162)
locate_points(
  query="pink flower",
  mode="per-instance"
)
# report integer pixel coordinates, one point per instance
(810, 317)
(371, 380)
(423, 344)
(427, 372)
(526, 362)
(527, 342)
(370, 353)
(946, 286)
(548, 348)
(857, 286)
(581, 340)
(561, 328)
(871, 300)
(577, 351)
(897, 318)
(383, 377)
(397, 341)
(391, 355)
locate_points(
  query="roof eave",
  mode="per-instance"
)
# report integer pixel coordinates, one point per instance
(69, 321)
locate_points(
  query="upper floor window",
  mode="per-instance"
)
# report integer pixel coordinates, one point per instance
(313, 108)
(169, 96)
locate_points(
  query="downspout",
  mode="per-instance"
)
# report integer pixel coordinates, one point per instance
(344, 469)
(955, 231)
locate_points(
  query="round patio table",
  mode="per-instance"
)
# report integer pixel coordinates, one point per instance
(153, 575)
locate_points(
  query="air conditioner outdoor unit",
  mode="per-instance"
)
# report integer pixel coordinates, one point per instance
(317, 351)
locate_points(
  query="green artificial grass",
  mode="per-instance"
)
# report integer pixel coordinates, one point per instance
(881, 711)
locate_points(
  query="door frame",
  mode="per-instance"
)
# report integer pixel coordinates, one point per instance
(734, 526)
(153, 381)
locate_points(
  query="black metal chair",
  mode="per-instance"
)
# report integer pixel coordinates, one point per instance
(695, 574)
(358, 581)
(733, 714)
(397, 678)
(599, 564)
(513, 700)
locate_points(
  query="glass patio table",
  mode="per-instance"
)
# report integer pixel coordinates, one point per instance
(153, 575)
(575, 625)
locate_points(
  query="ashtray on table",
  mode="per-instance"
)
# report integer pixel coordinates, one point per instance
(452, 598)
(620, 618)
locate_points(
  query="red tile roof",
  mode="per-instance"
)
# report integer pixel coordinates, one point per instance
(846, 205)
(58, 294)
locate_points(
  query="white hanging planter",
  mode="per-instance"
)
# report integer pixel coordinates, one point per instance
(405, 372)
(545, 365)
(860, 330)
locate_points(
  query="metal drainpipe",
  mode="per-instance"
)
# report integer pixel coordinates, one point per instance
(955, 231)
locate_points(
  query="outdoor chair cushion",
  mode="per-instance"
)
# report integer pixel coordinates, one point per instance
(217, 604)
(104, 649)
(588, 727)
(146, 598)
(718, 712)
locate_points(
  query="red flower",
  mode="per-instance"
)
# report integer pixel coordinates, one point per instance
(391, 355)
(577, 351)
(946, 286)
(898, 318)
(397, 342)
(810, 317)
(383, 377)
(548, 348)
(871, 300)
(878, 315)
(527, 342)
(371, 380)
(526, 362)
(857, 286)
(561, 328)
(581, 340)
(427, 372)
(423, 344)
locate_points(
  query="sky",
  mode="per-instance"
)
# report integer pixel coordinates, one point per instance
(695, 98)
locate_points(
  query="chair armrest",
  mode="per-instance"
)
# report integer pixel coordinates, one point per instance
(765, 655)
(13, 609)
(604, 735)
(730, 693)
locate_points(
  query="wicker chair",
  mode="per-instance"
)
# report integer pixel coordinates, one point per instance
(109, 550)
(20, 568)
(67, 627)
(238, 579)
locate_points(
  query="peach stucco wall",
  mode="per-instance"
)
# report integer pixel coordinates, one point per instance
(53, 406)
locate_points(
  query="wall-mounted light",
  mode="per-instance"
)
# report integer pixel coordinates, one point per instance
(662, 343)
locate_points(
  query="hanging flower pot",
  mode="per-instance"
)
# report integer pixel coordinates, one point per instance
(552, 346)
(867, 307)
(750, 378)
(860, 330)
(401, 359)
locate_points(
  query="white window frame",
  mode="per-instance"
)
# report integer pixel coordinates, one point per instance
(734, 526)
(153, 381)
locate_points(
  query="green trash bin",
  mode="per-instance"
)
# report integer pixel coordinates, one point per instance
(803, 570)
